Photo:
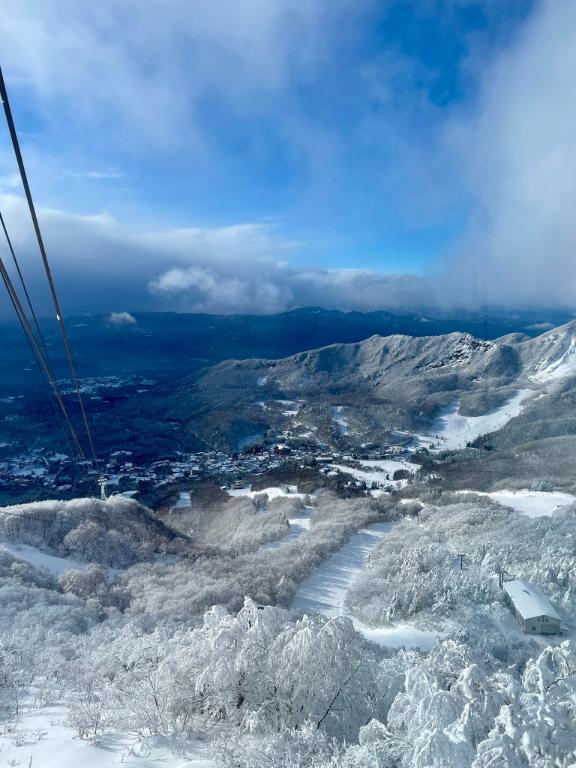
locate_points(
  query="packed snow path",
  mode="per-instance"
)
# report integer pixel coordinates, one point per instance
(324, 590)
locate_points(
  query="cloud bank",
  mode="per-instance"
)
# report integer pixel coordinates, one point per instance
(99, 263)
(509, 156)
(517, 153)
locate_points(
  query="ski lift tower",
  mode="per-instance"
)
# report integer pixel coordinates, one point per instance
(102, 483)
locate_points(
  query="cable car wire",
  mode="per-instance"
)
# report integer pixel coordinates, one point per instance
(41, 339)
(55, 301)
(25, 324)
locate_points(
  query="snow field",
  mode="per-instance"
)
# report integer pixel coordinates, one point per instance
(383, 470)
(530, 503)
(43, 740)
(272, 493)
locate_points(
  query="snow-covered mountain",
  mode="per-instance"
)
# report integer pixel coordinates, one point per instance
(354, 393)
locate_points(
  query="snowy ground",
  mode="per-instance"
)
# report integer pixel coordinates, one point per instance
(559, 369)
(382, 473)
(37, 558)
(324, 590)
(44, 741)
(451, 430)
(531, 503)
(183, 501)
(339, 419)
(272, 493)
(298, 525)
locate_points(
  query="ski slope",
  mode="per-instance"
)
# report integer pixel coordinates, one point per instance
(451, 430)
(297, 526)
(56, 565)
(324, 591)
(530, 503)
(558, 369)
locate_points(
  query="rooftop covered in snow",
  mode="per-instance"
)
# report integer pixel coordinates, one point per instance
(529, 600)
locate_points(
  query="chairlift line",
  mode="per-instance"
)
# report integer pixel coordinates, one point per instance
(55, 300)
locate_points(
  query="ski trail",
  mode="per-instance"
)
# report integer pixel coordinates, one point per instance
(298, 525)
(324, 591)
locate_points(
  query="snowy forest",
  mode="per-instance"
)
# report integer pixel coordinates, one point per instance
(121, 628)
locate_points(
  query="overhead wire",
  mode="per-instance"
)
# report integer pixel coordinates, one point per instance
(47, 269)
(40, 335)
(25, 324)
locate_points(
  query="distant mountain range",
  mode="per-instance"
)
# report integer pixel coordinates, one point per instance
(383, 371)
(166, 345)
(348, 394)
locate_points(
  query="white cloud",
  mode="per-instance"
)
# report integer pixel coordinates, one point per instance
(142, 68)
(98, 263)
(121, 318)
(9, 181)
(110, 174)
(518, 154)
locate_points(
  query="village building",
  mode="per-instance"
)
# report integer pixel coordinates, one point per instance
(532, 608)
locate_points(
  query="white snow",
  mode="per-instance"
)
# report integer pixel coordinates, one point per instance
(529, 600)
(398, 636)
(262, 381)
(339, 419)
(272, 492)
(49, 743)
(533, 503)
(324, 590)
(530, 503)
(297, 526)
(382, 477)
(183, 501)
(558, 369)
(37, 558)
(451, 430)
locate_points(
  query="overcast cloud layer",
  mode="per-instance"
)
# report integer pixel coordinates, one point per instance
(509, 153)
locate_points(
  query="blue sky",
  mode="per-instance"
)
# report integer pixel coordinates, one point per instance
(254, 155)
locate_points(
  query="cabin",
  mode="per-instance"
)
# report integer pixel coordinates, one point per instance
(531, 608)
